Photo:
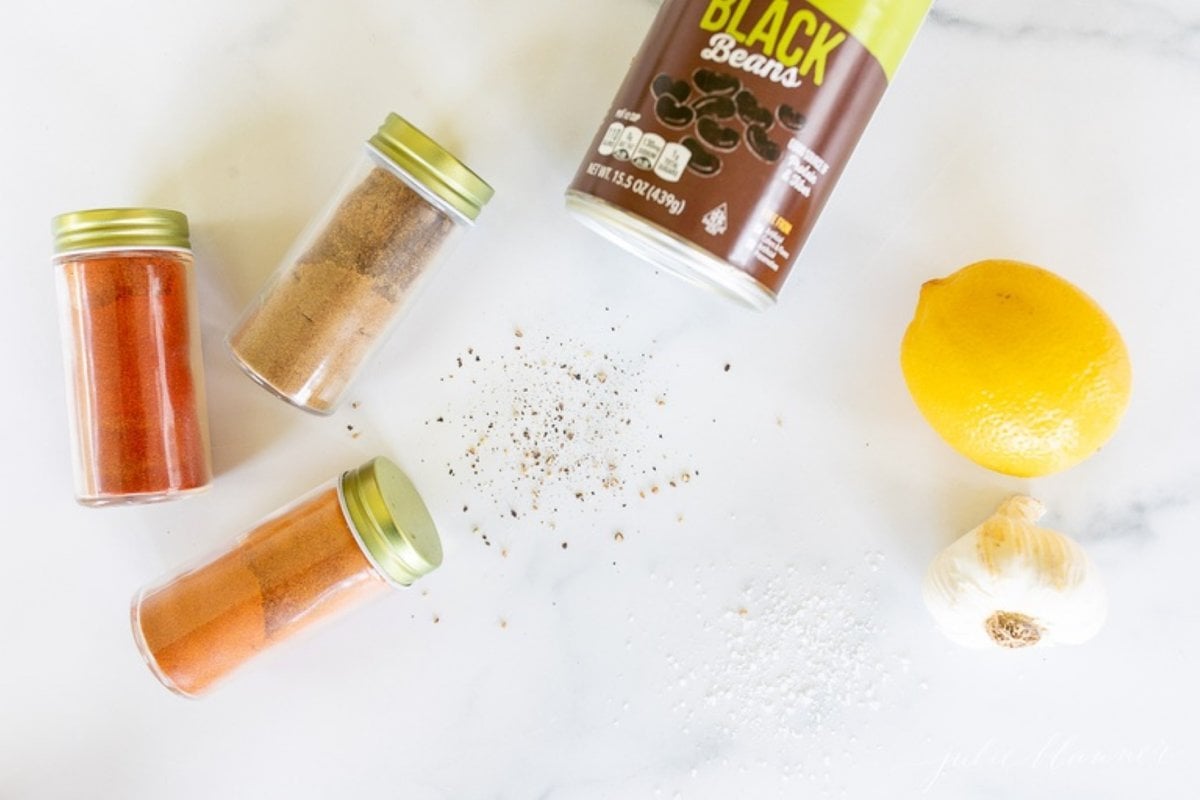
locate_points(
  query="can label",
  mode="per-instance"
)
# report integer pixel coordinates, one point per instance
(738, 116)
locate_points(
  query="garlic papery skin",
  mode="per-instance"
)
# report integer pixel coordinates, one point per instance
(1009, 583)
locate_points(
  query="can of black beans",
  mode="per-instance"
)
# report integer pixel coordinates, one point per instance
(732, 127)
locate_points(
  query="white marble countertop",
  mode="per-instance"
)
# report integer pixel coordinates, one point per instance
(758, 632)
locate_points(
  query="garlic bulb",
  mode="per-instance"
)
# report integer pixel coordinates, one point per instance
(1011, 584)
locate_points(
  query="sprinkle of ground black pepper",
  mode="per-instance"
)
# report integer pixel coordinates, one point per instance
(552, 420)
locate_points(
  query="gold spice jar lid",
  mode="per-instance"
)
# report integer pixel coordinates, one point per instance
(120, 228)
(432, 165)
(391, 521)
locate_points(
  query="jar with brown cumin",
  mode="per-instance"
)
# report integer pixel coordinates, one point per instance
(351, 275)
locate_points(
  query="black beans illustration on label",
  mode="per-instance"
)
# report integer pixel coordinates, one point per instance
(718, 106)
(673, 114)
(761, 144)
(717, 135)
(790, 118)
(721, 97)
(751, 112)
(664, 84)
(702, 161)
(711, 82)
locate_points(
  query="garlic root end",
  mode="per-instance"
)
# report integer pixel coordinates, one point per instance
(1012, 630)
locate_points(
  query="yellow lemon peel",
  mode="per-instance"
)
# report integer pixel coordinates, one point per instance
(1015, 367)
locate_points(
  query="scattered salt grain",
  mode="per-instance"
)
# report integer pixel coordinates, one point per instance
(800, 656)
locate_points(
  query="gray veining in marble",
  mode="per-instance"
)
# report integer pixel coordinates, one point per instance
(1168, 29)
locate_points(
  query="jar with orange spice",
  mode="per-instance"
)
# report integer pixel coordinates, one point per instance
(341, 544)
(131, 344)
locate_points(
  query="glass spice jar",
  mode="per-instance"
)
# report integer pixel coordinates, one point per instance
(349, 540)
(352, 273)
(131, 346)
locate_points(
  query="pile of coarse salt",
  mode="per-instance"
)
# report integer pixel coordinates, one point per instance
(795, 659)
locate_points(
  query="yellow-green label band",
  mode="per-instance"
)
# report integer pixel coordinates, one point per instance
(799, 42)
(884, 27)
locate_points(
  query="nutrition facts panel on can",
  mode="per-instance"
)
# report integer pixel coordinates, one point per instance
(646, 151)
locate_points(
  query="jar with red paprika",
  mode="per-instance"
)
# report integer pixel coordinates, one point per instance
(131, 346)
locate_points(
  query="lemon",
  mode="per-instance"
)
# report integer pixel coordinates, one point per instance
(1015, 368)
